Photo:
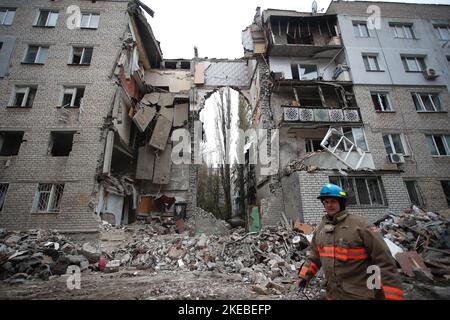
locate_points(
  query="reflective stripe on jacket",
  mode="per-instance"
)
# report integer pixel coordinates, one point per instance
(345, 246)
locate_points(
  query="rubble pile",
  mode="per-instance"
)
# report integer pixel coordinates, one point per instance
(41, 254)
(202, 221)
(265, 259)
(421, 236)
(415, 229)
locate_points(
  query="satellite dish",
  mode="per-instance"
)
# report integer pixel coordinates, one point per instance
(314, 7)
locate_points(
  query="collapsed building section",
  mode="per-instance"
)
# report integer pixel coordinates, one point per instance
(322, 135)
(138, 152)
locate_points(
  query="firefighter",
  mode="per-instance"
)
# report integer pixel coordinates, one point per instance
(355, 259)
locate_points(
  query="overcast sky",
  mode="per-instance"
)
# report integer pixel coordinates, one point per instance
(215, 26)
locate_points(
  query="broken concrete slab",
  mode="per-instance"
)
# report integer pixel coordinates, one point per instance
(166, 99)
(161, 133)
(163, 164)
(143, 117)
(151, 98)
(145, 163)
(181, 115)
(91, 253)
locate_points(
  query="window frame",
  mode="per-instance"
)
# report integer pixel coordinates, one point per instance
(360, 24)
(420, 68)
(50, 13)
(2, 141)
(430, 95)
(403, 26)
(38, 53)
(22, 89)
(443, 190)
(50, 202)
(3, 193)
(309, 143)
(346, 148)
(444, 139)
(403, 141)
(371, 57)
(74, 95)
(72, 55)
(354, 188)
(90, 14)
(7, 10)
(439, 27)
(417, 191)
(388, 99)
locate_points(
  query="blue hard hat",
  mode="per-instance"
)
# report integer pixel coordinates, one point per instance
(332, 191)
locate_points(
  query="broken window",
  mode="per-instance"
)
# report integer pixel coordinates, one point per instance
(46, 18)
(371, 62)
(89, 20)
(7, 16)
(297, 33)
(10, 142)
(427, 102)
(355, 135)
(313, 145)
(36, 54)
(3, 191)
(395, 143)
(185, 65)
(362, 191)
(48, 198)
(61, 143)
(81, 55)
(414, 193)
(72, 97)
(381, 101)
(23, 96)
(438, 145)
(446, 187)
(170, 64)
(347, 145)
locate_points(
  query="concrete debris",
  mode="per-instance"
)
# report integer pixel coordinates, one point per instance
(39, 254)
(415, 232)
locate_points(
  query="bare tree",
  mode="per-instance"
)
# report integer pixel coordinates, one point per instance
(243, 124)
(223, 105)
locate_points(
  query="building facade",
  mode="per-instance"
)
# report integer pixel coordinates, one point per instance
(86, 104)
(384, 92)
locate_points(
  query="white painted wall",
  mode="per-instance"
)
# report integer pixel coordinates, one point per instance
(389, 49)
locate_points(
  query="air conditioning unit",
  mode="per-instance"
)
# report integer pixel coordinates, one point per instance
(396, 158)
(430, 73)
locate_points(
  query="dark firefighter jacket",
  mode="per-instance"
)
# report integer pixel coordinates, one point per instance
(345, 246)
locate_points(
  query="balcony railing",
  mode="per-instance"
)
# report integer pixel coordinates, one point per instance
(320, 114)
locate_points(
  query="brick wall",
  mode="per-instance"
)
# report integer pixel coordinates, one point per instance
(311, 183)
(33, 165)
(421, 166)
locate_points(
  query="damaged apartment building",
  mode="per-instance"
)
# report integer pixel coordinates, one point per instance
(88, 109)
(362, 107)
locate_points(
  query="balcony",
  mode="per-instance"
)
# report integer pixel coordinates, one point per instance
(304, 36)
(317, 114)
